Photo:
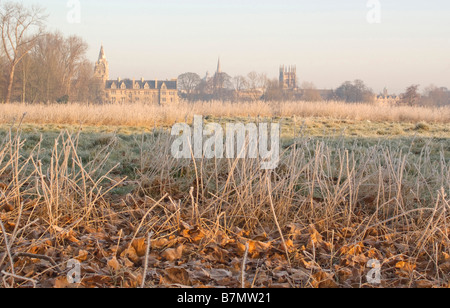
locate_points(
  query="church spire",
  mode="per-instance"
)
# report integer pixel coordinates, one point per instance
(101, 70)
(219, 68)
(102, 54)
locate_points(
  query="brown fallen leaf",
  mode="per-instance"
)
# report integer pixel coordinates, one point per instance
(7, 207)
(254, 247)
(344, 273)
(159, 243)
(316, 238)
(131, 254)
(195, 235)
(219, 274)
(139, 246)
(173, 254)
(97, 281)
(114, 264)
(82, 255)
(128, 263)
(324, 280)
(406, 266)
(61, 283)
(289, 245)
(177, 275)
(446, 256)
(222, 239)
(280, 286)
(445, 267)
(353, 250)
(69, 235)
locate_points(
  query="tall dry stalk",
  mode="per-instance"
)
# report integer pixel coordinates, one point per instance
(150, 115)
(345, 192)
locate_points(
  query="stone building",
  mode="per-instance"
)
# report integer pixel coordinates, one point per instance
(132, 91)
(288, 77)
(387, 99)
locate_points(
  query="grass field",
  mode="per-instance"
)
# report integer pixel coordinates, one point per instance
(354, 184)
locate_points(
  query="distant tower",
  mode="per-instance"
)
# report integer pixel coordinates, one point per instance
(219, 67)
(288, 77)
(101, 67)
(206, 77)
(218, 80)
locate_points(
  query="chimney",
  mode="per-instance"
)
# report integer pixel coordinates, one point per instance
(142, 79)
(156, 83)
(118, 79)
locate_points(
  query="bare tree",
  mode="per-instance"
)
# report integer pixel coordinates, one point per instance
(222, 86)
(355, 92)
(273, 92)
(20, 28)
(310, 92)
(239, 84)
(411, 97)
(56, 69)
(436, 96)
(50, 67)
(188, 83)
(257, 84)
(74, 52)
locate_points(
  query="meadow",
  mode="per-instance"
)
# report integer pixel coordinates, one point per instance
(357, 183)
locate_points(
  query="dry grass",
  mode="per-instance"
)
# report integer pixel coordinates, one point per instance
(314, 222)
(141, 114)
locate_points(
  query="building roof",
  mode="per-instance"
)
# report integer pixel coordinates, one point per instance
(170, 84)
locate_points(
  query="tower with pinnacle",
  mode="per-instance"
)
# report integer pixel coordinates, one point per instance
(102, 67)
(288, 77)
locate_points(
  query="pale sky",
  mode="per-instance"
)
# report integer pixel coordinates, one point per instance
(330, 41)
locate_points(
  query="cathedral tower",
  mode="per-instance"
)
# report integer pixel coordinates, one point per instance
(288, 77)
(102, 67)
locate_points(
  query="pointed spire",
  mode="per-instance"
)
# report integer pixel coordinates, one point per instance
(219, 68)
(102, 54)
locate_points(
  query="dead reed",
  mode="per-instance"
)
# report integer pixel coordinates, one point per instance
(319, 217)
(141, 114)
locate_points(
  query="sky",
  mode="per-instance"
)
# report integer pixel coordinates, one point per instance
(329, 41)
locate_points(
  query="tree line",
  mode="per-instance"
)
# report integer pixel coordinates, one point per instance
(253, 86)
(40, 66)
(257, 86)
